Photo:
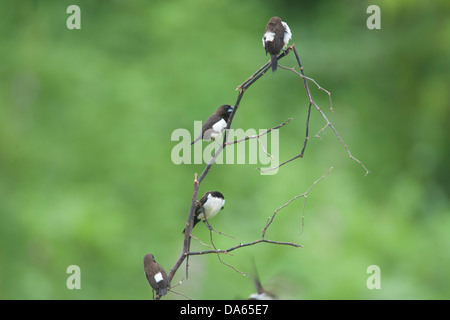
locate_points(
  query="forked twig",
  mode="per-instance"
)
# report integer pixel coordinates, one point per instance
(313, 103)
(303, 195)
(264, 230)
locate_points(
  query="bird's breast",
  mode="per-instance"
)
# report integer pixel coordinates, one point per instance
(211, 207)
(219, 125)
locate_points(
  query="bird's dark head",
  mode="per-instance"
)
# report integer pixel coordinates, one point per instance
(274, 21)
(216, 194)
(224, 110)
(148, 259)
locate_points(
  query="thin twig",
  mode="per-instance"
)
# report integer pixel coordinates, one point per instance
(328, 123)
(313, 81)
(242, 245)
(201, 242)
(264, 149)
(218, 255)
(179, 293)
(257, 136)
(303, 195)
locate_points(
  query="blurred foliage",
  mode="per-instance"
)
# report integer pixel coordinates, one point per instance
(86, 176)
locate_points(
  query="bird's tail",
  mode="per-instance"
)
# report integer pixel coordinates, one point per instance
(198, 207)
(196, 139)
(195, 222)
(274, 61)
(163, 291)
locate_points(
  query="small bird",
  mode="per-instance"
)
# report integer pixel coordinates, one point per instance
(276, 38)
(261, 294)
(208, 207)
(215, 124)
(156, 275)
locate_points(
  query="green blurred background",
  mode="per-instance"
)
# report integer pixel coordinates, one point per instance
(86, 175)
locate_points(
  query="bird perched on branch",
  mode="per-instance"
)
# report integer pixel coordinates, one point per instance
(276, 38)
(156, 275)
(208, 207)
(215, 124)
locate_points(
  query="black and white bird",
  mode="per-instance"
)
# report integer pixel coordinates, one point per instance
(276, 38)
(156, 275)
(208, 206)
(215, 124)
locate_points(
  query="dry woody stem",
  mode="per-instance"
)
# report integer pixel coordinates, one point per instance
(186, 253)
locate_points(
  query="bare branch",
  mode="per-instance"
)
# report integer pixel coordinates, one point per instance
(186, 253)
(188, 231)
(257, 136)
(260, 72)
(189, 222)
(313, 103)
(179, 293)
(218, 255)
(264, 230)
(242, 245)
(313, 81)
